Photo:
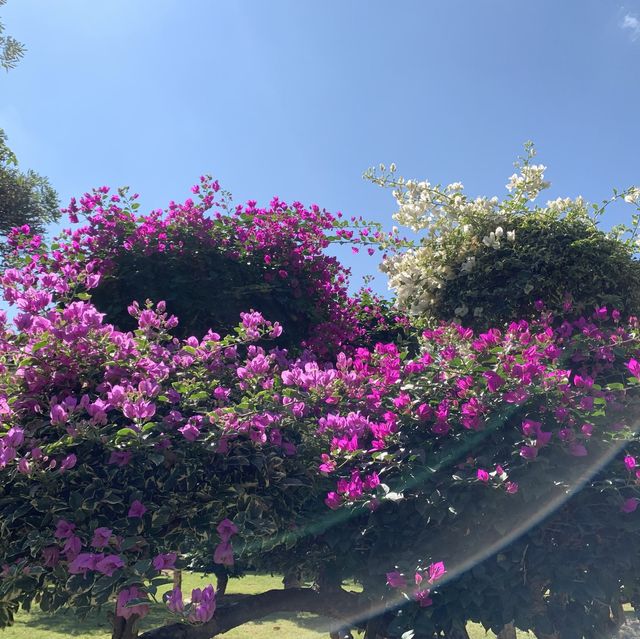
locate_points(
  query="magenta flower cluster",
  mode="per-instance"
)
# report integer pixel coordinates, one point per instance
(288, 241)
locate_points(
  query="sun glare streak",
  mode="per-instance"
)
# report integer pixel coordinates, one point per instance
(521, 524)
(520, 520)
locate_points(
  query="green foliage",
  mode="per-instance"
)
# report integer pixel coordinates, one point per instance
(204, 289)
(554, 259)
(382, 322)
(11, 51)
(25, 197)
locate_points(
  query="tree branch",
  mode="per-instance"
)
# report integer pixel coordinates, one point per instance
(339, 604)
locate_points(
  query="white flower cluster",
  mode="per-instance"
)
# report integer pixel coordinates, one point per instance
(417, 274)
(421, 206)
(565, 204)
(633, 195)
(529, 182)
(493, 239)
(435, 209)
(451, 224)
(413, 281)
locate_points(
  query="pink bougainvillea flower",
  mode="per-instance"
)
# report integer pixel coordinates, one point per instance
(140, 409)
(64, 529)
(72, 547)
(83, 562)
(223, 554)
(586, 430)
(423, 598)
(543, 438)
(137, 509)
(109, 564)
(436, 571)
(531, 428)
(333, 500)
(58, 414)
(51, 556)
(516, 396)
(24, 466)
(289, 448)
(190, 432)
(14, 437)
(566, 435)
(630, 462)
(629, 505)
(511, 487)
(482, 475)
(327, 465)
(68, 462)
(174, 600)
(494, 381)
(226, 529)
(634, 367)
(528, 452)
(120, 457)
(165, 562)
(396, 579)
(101, 537)
(129, 594)
(203, 604)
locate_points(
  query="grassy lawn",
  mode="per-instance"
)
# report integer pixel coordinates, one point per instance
(36, 625)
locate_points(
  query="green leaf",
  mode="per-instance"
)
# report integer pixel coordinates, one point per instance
(127, 432)
(41, 344)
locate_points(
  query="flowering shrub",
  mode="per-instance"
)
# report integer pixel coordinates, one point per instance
(206, 264)
(486, 260)
(126, 453)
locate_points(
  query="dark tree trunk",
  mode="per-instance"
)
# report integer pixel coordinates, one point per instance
(341, 605)
(292, 579)
(124, 628)
(543, 626)
(222, 579)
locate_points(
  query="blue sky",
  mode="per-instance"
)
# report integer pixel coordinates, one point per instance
(296, 99)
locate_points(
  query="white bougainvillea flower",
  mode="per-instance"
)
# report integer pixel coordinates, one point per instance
(491, 240)
(529, 182)
(633, 196)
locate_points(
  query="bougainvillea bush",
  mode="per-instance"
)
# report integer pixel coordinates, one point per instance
(485, 260)
(129, 449)
(206, 263)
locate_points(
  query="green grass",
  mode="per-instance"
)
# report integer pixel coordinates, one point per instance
(37, 625)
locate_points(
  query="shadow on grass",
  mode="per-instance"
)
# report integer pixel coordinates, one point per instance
(66, 623)
(97, 624)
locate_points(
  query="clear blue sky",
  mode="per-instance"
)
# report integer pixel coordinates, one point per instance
(296, 99)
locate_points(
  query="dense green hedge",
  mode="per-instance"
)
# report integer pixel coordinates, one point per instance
(553, 259)
(204, 289)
